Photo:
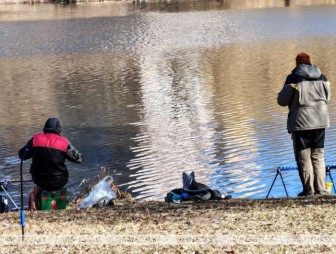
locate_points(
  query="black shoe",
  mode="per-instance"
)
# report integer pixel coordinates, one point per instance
(305, 194)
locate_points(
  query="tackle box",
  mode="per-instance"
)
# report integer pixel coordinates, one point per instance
(51, 200)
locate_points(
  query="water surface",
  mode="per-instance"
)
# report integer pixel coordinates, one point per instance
(151, 90)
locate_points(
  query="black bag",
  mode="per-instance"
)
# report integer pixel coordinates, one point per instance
(188, 195)
(3, 204)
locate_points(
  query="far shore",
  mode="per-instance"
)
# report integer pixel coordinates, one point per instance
(57, 1)
(289, 225)
(229, 3)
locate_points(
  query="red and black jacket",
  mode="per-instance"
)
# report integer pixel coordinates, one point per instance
(49, 152)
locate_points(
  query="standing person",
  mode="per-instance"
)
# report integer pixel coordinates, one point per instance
(306, 93)
(49, 151)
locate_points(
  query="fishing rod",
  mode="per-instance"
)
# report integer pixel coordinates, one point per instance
(17, 181)
(22, 215)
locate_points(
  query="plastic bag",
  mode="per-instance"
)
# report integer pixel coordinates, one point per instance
(100, 193)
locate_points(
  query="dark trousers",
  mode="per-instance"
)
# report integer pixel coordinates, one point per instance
(309, 155)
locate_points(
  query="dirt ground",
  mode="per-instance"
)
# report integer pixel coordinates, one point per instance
(299, 225)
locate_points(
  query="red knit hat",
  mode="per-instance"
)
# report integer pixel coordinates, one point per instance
(302, 58)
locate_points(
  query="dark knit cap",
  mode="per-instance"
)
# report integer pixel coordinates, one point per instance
(302, 58)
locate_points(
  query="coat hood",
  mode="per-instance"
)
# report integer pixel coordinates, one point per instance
(307, 71)
(52, 126)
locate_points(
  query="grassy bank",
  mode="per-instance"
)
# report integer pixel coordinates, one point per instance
(302, 225)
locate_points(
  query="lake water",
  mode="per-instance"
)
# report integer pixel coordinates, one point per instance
(151, 90)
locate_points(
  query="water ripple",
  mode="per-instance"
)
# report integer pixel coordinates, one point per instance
(151, 94)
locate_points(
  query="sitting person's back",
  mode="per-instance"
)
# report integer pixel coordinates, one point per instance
(49, 151)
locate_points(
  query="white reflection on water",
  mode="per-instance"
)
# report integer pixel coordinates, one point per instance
(176, 129)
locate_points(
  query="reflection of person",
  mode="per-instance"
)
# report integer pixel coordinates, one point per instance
(306, 93)
(49, 152)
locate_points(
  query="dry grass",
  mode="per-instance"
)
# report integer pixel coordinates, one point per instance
(302, 225)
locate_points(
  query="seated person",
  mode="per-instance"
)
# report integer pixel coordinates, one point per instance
(49, 151)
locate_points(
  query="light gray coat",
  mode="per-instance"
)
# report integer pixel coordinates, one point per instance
(306, 93)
